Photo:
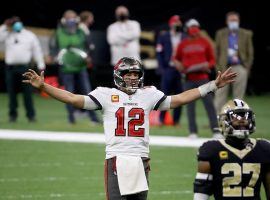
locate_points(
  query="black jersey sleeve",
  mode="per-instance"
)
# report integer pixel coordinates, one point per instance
(265, 147)
(206, 151)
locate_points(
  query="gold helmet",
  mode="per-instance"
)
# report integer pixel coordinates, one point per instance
(236, 119)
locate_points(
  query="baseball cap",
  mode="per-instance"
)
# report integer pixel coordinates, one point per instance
(174, 19)
(192, 22)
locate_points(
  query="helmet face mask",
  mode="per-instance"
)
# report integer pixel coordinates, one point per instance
(237, 119)
(123, 71)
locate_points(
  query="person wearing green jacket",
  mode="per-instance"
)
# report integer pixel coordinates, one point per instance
(69, 47)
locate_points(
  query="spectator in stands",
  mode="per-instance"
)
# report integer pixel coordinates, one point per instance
(20, 46)
(234, 48)
(195, 57)
(86, 20)
(123, 36)
(69, 45)
(167, 43)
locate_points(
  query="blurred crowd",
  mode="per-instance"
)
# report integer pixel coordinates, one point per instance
(187, 58)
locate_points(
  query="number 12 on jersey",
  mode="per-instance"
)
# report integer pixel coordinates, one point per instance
(137, 119)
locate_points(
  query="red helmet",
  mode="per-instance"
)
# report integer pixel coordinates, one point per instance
(124, 66)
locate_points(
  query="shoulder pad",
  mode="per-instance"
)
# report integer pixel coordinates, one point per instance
(150, 87)
(265, 144)
(103, 89)
(207, 150)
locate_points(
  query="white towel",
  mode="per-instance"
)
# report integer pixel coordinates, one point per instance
(130, 174)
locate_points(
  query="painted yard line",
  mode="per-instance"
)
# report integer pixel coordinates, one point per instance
(83, 137)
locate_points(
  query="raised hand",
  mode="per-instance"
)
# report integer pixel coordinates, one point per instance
(34, 79)
(225, 77)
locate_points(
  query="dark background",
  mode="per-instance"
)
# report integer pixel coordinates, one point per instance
(154, 14)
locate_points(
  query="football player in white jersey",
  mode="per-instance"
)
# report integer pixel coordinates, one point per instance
(125, 112)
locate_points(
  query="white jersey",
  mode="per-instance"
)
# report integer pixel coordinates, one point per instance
(126, 118)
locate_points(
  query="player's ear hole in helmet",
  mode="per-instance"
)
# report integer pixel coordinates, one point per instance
(124, 66)
(237, 119)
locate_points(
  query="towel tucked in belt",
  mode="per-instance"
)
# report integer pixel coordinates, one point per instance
(130, 174)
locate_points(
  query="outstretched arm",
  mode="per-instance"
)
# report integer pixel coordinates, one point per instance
(190, 95)
(62, 95)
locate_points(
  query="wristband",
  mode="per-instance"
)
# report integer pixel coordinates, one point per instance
(207, 88)
(200, 196)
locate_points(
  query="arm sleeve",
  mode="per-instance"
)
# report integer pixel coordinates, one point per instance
(200, 196)
(89, 104)
(166, 104)
(116, 37)
(113, 37)
(97, 96)
(205, 152)
(161, 101)
(37, 53)
(133, 33)
(265, 144)
(3, 32)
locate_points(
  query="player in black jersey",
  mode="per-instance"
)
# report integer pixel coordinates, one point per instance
(235, 167)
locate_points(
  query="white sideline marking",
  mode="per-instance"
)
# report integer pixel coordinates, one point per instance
(99, 138)
(76, 195)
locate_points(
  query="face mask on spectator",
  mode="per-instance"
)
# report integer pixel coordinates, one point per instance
(122, 17)
(192, 31)
(233, 25)
(71, 25)
(17, 26)
(177, 28)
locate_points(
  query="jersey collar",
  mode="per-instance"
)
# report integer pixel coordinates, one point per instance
(239, 153)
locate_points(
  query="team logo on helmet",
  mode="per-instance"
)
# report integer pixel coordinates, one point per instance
(237, 119)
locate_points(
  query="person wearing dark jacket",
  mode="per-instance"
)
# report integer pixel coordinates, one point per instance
(167, 43)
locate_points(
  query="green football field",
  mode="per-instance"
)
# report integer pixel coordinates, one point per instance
(58, 170)
(43, 170)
